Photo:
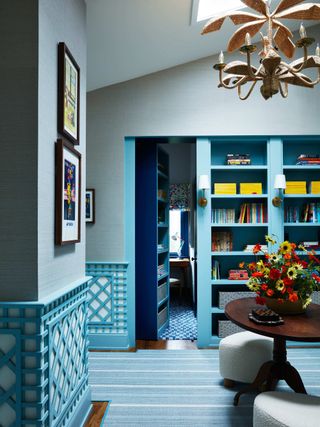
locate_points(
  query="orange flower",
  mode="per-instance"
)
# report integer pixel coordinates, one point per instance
(287, 256)
(252, 266)
(241, 264)
(256, 249)
(270, 292)
(264, 286)
(293, 297)
(257, 274)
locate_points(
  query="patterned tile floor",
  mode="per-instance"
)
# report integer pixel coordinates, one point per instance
(183, 323)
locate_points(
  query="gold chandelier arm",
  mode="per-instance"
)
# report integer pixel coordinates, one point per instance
(243, 98)
(301, 78)
(250, 72)
(283, 91)
(239, 82)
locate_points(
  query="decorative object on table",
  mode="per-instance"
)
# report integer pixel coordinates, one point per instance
(282, 278)
(238, 274)
(68, 95)
(90, 205)
(265, 316)
(68, 193)
(272, 71)
(180, 196)
(177, 244)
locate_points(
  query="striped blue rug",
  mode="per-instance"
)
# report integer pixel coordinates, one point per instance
(179, 387)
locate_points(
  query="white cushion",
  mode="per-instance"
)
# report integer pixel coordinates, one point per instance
(279, 409)
(242, 354)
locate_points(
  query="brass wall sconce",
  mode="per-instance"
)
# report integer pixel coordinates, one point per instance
(204, 184)
(280, 185)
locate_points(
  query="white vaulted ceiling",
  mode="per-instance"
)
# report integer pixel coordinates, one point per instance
(132, 38)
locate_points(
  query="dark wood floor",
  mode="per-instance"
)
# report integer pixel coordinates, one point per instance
(99, 408)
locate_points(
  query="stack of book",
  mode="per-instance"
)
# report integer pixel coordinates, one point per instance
(238, 159)
(221, 241)
(311, 245)
(296, 187)
(249, 248)
(253, 213)
(223, 216)
(238, 275)
(215, 271)
(308, 159)
(314, 187)
(225, 188)
(250, 188)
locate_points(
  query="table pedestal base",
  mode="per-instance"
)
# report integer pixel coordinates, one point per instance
(271, 372)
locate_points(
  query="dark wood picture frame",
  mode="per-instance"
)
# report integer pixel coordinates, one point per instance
(68, 95)
(90, 206)
(67, 193)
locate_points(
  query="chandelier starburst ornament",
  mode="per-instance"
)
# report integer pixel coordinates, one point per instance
(274, 73)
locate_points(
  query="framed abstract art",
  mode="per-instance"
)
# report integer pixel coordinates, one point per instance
(90, 205)
(68, 193)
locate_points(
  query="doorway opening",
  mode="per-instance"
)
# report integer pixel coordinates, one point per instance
(174, 235)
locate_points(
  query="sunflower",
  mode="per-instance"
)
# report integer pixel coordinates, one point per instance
(279, 285)
(253, 285)
(269, 239)
(292, 273)
(274, 258)
(285, 247)
(297, 266)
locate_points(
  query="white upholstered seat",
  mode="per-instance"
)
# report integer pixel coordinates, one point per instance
(279, 409)
(242, 354)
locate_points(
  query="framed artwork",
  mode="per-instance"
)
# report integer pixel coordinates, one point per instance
(68, 94)
(90, 205)
(68, 193)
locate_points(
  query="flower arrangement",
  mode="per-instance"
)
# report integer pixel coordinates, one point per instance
(283, 274)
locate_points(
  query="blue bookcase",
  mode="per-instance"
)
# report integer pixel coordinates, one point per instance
(152, 240)
(269, 156)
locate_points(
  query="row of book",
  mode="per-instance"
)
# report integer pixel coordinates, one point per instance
(215, 270)
(308, 159)
(253, 213)
(223, 216)
(300, 187)
(231, 188)
(221, 241)
(238, 159)
(308, 213)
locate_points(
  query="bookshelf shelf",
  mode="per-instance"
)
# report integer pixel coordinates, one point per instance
(301, 224)
(216, 310)
(163, 251)
(243, 224)
(239, 196)
(301, 167)
(240, 167)
(228, 282)
(231, 253)
(162, 175)
(301, 196)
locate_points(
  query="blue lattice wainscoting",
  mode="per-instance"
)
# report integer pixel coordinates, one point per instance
(44, 361)
(108, 305)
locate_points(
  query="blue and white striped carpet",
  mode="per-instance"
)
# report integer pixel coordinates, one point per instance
(179, 387)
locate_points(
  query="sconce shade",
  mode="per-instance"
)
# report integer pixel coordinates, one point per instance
(204, 183)
(280, 182)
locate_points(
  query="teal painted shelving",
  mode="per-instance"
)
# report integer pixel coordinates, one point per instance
(231, 253)
(235, 224)
(228, 282)
(239, 168)
(239, 196)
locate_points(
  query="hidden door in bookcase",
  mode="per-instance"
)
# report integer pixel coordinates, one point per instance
(152, 240)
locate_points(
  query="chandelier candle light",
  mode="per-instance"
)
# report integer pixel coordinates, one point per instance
(273, 72)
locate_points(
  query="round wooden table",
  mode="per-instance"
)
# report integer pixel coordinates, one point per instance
(302, 327)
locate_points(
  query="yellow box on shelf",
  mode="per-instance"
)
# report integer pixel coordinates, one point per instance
(225, 188)
(250, 188)
(314, 187)
(296, 187)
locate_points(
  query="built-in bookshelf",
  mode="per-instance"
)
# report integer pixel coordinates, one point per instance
(152, 241)
(241, 212)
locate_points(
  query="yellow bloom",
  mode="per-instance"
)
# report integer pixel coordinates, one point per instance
(269, 239)
(260, 265)
(274, 258)
(307, 302)
(302, 248)
(253, 285)
(285, 247)
(292, 273)
(297, 267)
(266, 272)
(279, 285)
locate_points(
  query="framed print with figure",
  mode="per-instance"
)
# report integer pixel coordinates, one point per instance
(68, 95)
(68, 193)
(90, 205)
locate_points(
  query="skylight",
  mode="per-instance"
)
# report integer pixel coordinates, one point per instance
(209, 8)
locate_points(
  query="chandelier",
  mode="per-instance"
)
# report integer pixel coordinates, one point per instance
(273, 72)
